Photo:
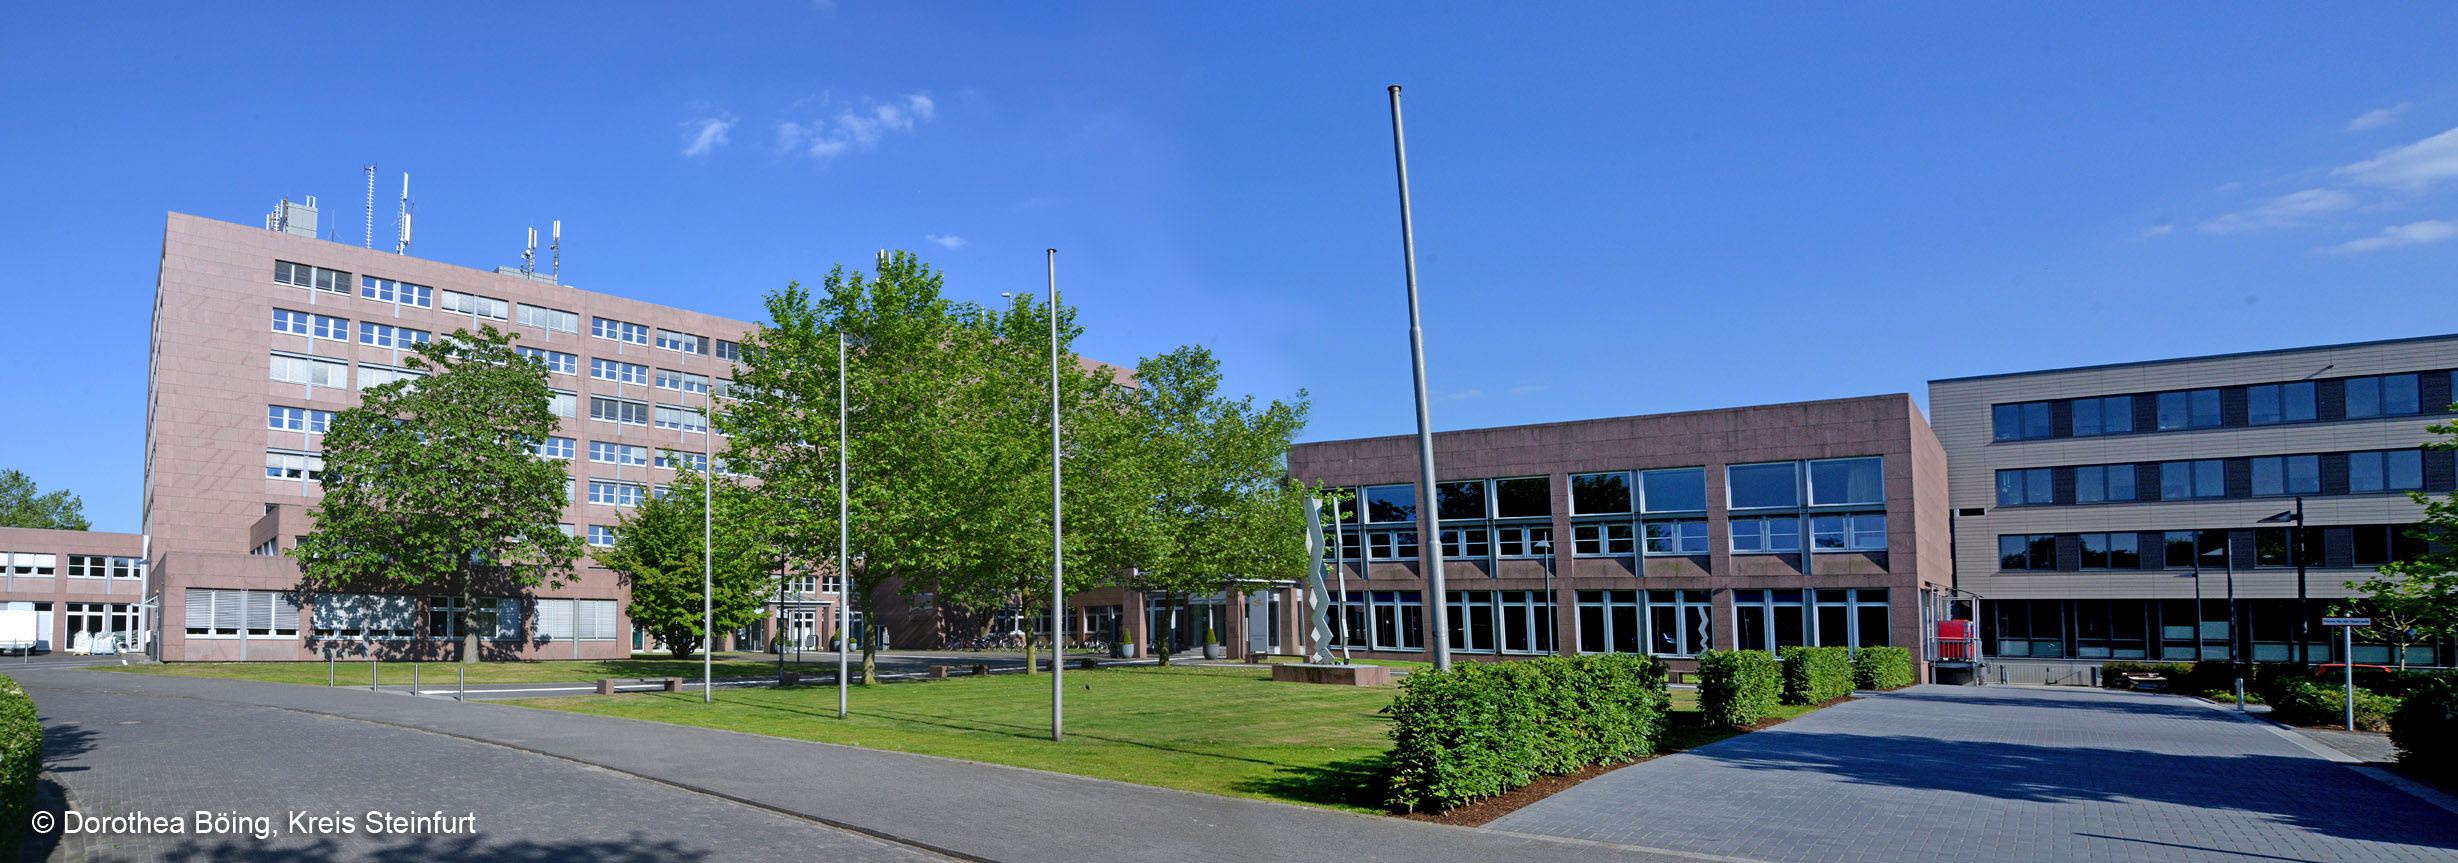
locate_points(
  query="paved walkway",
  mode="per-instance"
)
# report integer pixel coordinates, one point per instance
(530, 776)
(2005, 774)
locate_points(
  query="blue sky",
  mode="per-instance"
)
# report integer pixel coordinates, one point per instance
(1621, 208)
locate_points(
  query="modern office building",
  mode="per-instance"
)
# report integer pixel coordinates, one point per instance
(2094, 505)
(1821, 523)
(86, 590)
(261, 334)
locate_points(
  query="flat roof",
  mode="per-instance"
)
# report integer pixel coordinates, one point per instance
(2296, 350)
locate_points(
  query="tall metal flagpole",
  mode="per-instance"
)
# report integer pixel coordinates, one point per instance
(1058, 561)
(708, 551)
(844, 576)
(1429, 546)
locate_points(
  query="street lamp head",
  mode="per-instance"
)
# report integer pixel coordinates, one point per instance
(2289, 515)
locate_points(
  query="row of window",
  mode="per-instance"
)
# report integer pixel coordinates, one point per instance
(1861, 531)
(2257, 405)
(2261, 476)
(556, 320)
(28, 564)
(226, 613)
(335, 374)
(1658, 622)
(2174, 629)
(2365, 545)
(1774, 485)
(105, 566)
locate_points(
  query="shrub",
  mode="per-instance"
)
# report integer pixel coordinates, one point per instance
(2303, 702)
(1738, 687)
(1816, 675)
(2424, 728)
(1882, 668)
(2112, 674)
(21, 761)
(1481, 729)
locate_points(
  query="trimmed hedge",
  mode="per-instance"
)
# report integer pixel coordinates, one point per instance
(1816, 675)
(1738, 687)
(21, 762)
(2424, 728)
(1482, 729)
(2303, 702)
(1882, 668)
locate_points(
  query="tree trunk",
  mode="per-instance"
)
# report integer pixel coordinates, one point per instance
(1169, 623)
(1032, 657)
(469, 634)
(870, 642)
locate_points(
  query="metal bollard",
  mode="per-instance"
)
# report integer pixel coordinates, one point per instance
(330, 669)
(462, 694)
(371, 674)
(413, 678)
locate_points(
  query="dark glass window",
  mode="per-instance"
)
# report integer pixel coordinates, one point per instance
(1675, 490)
(2273, 546)
(1593, 493)
(2103, 483)
(2377, 544)
(2189, 409)
(1839, 481)
(2181, 480)
(2025, 487)
(2022, 422)
(2279, 403)
(2290, 474)
(2027, 551)
(1460, 500)
(1391, 503)
(2111, 551)
(2394, 470)
(1526, 497)
(2111, 415)
(2382, 396)
(1762, 485)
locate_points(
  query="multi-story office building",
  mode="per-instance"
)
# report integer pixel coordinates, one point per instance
(259, 336)
(2095, 504)
(87, 589)
(1812, 523)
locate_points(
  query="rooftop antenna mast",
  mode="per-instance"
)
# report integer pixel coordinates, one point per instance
(529, 256)
(401, 223)
(558, 250)
(371, 205)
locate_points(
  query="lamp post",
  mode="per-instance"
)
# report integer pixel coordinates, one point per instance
(1058, 562)
(1429, 523)
(708, 551)
(844, 576)
(2295, 547)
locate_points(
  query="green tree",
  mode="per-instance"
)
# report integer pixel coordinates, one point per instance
(23, 505)
(2422, 591)
(434, 484)
(1221, 500)
(658, 552)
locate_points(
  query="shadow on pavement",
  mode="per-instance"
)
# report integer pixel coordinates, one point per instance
(637, 848)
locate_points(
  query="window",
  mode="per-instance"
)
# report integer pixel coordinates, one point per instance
(2025, 487)
(601, 535)
(2275, 546)
(371, 375)
(1856, 532)
(682, 418)
(2026, 421)
(564, 404)
(1391, 545)
(294, 323)
(2378, 544)
(384, 336)
(2181, 548)
(722, 388)
(605, 493)
(366, 616)
(2111, 551)
(217, 613)
(2110, 415)
(2291, 474)
(100, 566)
(2393, 470)
(555, 447)
(297, 419)
(692, 461)
(27, 565)
(1522, 541)
(1600, 493)
(556, 362)
(1466, 542)
(2031, 551)
(618, 410)
(1766, 535)
(607, 328)
(545, 318)
(2181, 480)
(684, 342)
(2269, 404)
(2382, 396)
(2103, 483)
(1523, 497)
(1679, 622)
(294, 465)
(1459, 501)
(619, 372)
(496, 618)
(2189, 409)
(668, 379)
(1750, 486)
(311, 371)
(475, 306)
(1675, 490)
(315, 278)
(615, 453)
(1688, 536)
(1611, 539)
(1390, 504)
(1847, 481)
(397, 293)
(728, 350)
(1768, 619)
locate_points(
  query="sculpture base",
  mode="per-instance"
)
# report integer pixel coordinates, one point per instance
(1337, 675)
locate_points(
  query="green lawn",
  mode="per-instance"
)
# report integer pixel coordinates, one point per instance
(1225, 731)
(443, 673)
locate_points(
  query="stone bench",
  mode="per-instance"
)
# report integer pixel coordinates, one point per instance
(1337, 675)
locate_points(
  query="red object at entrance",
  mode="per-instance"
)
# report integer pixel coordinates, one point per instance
(1958, 640)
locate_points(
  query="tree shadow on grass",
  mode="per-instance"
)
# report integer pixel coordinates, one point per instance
(1362, 783)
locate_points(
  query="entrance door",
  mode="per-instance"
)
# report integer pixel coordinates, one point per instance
(1258, 622)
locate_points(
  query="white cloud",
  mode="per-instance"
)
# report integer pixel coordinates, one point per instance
(948, 240)
(2410, 234)
(2159, 230)
(2283, 211)
(1523, 389)
(2377, 117)
(2412, 167)
(851, 128)
(706, 134)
